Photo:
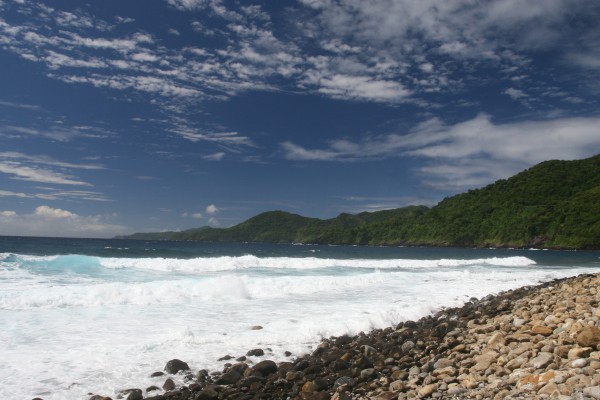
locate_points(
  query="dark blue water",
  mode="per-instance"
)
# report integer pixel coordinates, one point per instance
(188, 249)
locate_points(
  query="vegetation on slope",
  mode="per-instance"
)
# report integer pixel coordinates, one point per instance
(554, 204)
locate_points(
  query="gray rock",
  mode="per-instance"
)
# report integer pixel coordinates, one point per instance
(367, 373)
(207, 394)
(229, 378)
(542, 360)
(175, 365)
(579, 363)
(265, 367)
(131, 394)
(169, 385)
(592, 391)
(408, 346)
(443, 363)
(397, 386)
(344, 381)
(255, 352)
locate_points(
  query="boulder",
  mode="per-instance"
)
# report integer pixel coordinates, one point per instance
(230, 377)
(589, 337)
(255, 352)
(207, 394)
(131, 394)
(168, 385)
(175, 365)
(265, 368)
(408, 346)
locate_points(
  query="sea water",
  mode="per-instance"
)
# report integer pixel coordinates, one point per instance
(98, 316)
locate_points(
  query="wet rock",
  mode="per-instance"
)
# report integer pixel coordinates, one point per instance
(265, 368)
(255, 353)
(156, 374)
(367, 373)
(168, 385)
(131, 394)
(207, 394)
(175, 365)
(408, 346)
(256, 328)
(229, 378)
(344, 381)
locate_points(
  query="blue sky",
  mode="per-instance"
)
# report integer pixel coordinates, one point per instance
(144, 115)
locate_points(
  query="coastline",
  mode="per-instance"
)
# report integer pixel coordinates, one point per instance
(539, 341)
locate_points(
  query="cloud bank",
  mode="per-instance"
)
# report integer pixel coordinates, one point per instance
(56, 222)
(468, 154)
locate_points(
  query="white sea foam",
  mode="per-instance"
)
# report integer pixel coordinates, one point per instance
(215, 264)
(104, 324)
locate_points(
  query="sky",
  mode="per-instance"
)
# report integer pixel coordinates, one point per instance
(120, 116)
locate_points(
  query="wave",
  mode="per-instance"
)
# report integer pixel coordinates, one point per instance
(226, 263)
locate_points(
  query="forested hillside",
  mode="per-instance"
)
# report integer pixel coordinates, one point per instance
(554, 204)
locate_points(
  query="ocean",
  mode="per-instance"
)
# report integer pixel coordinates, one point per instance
(80, 316)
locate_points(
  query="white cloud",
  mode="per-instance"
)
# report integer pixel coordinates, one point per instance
(515, 94)
(38, 175)
(224, 138)
(40, 168)
(20, 105)
(426, 67)
(471, 153)
(48, 221)
(47, 193)
(195, 215)
(214, 222)
(212, 209)
(188, 4)
(49, 212)
(215, 156)
(362, 88)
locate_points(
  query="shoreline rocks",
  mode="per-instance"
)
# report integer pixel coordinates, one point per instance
(533, 342)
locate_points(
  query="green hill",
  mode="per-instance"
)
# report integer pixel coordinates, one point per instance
(554, 204)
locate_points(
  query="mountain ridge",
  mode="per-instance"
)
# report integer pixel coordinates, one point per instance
(554, 204)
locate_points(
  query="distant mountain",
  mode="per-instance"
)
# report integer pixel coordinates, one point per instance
(555, 204)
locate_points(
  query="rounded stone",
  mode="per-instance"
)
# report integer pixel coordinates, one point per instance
(579, 363)
(174, 366)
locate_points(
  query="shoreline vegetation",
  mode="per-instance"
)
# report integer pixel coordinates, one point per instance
(554, 205)
(538, 342)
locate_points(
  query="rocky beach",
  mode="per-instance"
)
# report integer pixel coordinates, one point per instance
(533, 342)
